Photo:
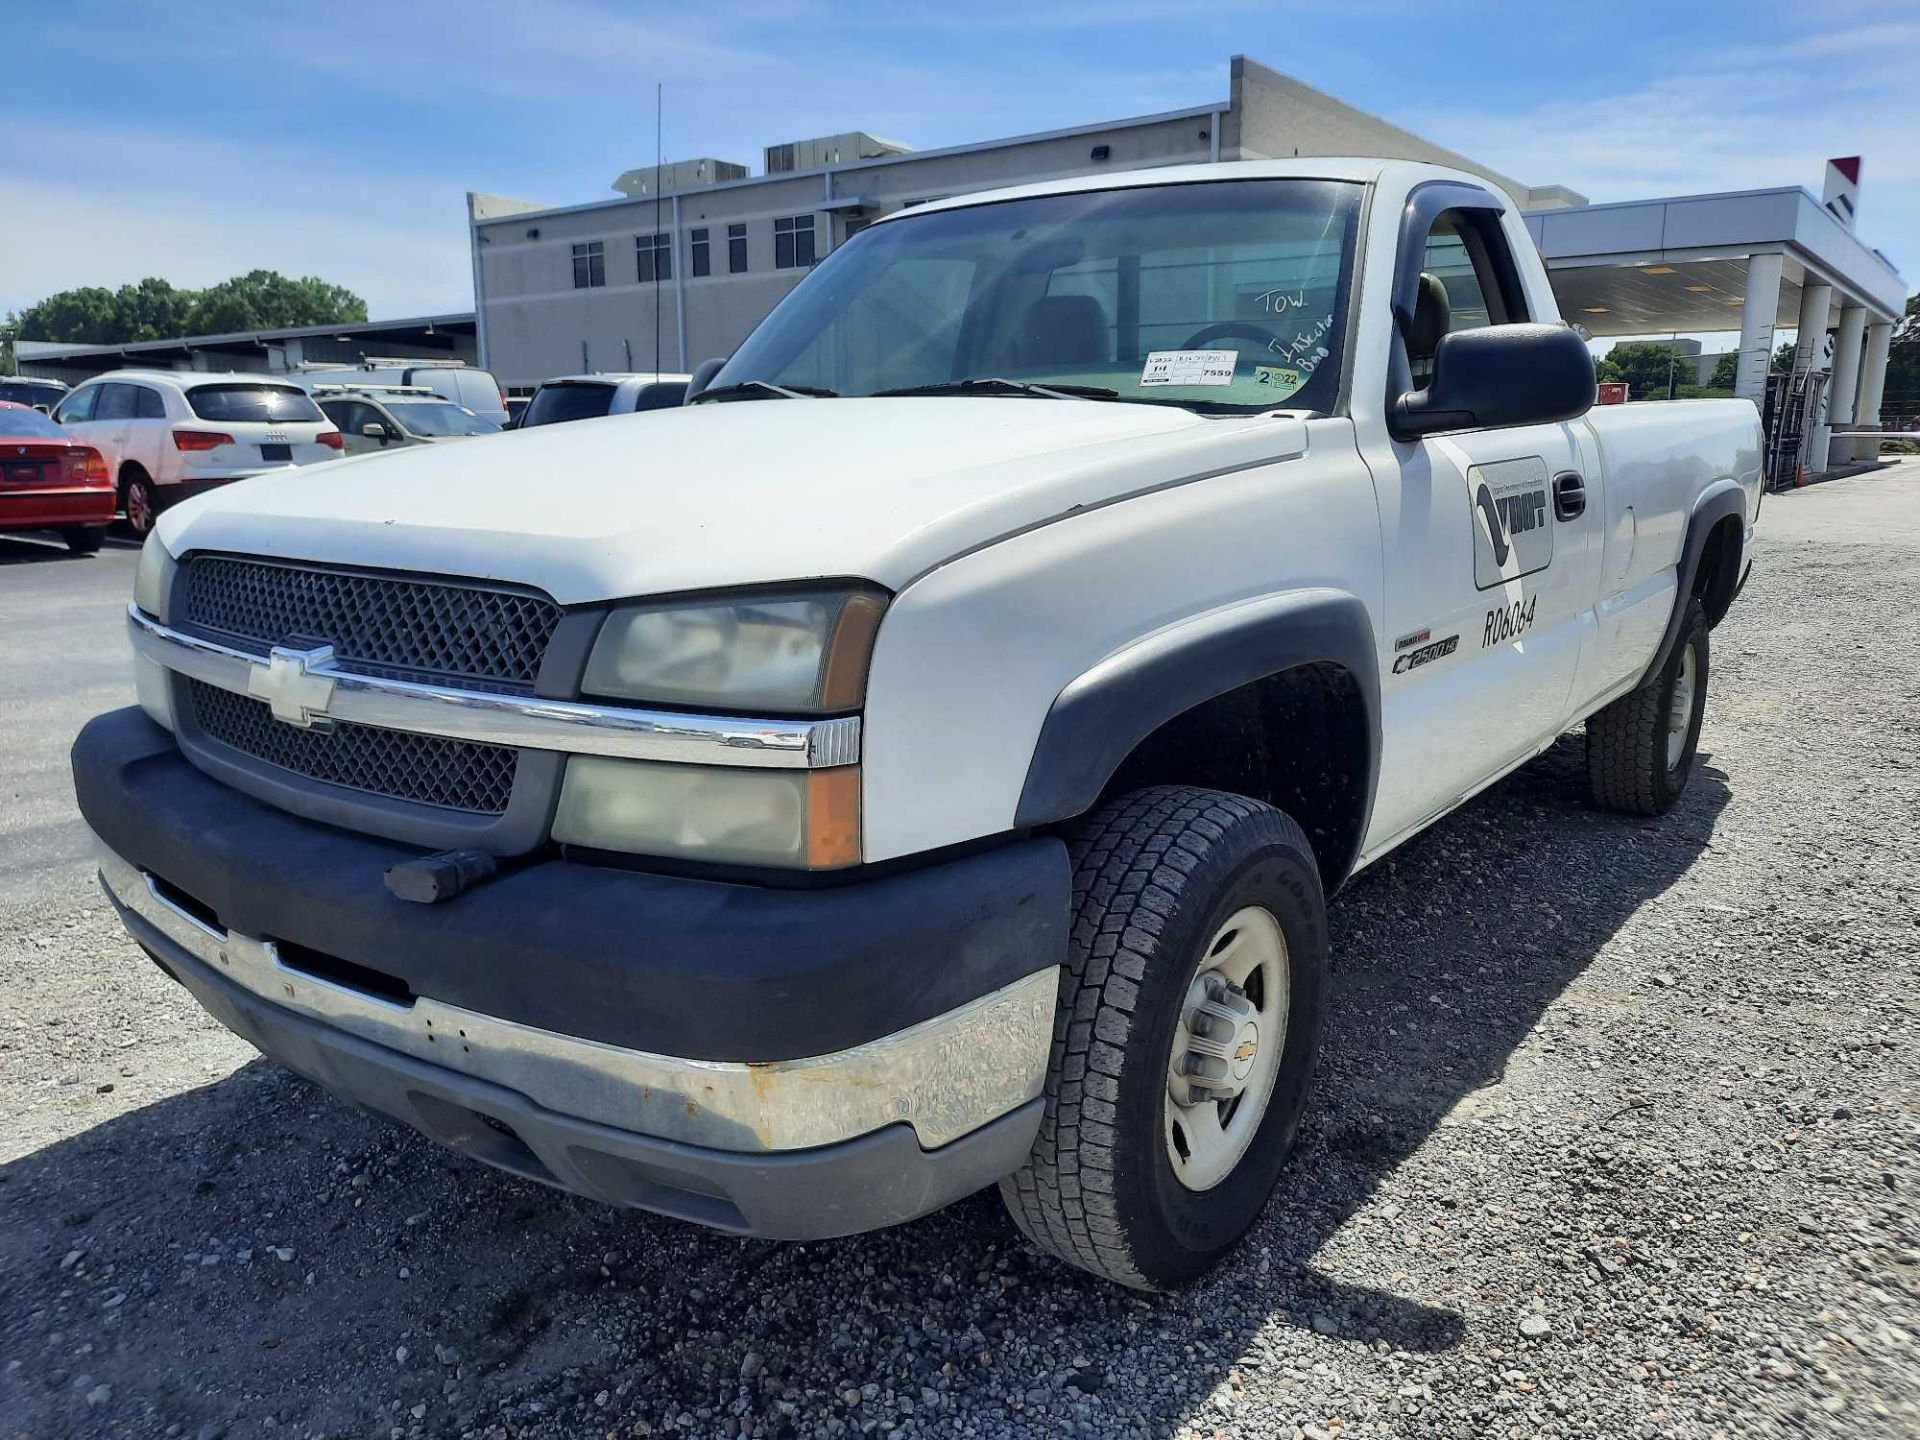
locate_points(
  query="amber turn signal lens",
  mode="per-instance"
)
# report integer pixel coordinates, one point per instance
(833, 818)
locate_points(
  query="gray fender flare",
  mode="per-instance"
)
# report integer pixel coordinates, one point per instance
(1098, 719)
(1721, 499)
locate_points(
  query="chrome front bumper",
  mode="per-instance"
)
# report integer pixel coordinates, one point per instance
(945, 1077)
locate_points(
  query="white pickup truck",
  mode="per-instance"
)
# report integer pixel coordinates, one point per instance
(921, 760)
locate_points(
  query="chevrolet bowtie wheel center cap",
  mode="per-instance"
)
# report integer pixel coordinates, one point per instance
(1226, 1048)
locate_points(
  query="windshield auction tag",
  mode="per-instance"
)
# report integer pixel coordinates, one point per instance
(1189, 367)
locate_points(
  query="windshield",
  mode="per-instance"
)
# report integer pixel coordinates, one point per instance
(438, 417)
(29, 423)
(239, 404)
(568, 400)
(1222, 296)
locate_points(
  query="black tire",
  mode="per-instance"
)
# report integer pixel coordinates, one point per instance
(1629, 765)
(84, 539)
(140, 500)
(1156, 874)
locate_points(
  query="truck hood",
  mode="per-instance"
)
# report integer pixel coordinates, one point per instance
(734, 493)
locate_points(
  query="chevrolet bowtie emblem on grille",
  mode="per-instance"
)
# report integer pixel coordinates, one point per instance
(292, 689)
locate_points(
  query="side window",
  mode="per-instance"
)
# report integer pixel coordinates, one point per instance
(698, 252)
(78, 406)
(1467, 280)
(736, 249)
(147, 404)
(336, 411)
(116, 403)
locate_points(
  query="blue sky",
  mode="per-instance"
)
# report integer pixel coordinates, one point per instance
(195, 141)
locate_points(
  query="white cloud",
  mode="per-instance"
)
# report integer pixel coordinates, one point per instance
(111, 204)
(1731, 118)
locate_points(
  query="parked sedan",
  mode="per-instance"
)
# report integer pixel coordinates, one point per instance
(586, 397)
(376, 419)
(50, 481)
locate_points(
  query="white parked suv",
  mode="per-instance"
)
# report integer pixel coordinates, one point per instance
(922, 760)
(588, 397)
(169, 434)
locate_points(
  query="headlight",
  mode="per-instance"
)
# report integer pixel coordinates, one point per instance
(791, 654)
(154, 578)
(802, 819)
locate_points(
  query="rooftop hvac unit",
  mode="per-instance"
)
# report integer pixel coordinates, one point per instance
(842, 149)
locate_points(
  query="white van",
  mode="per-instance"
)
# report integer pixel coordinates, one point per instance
(457, 381)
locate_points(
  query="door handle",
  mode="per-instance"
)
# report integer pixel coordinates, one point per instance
(1569, 496)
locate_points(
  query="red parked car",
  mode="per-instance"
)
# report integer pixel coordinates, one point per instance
(50, 481)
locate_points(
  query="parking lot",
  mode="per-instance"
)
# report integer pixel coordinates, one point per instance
(1616, 1135)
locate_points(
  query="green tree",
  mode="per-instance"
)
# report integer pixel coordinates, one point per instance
(86, 315)
(268, 300)
(9, 327)
(1725, 371)
(1901, 397)
(1650, 367)
(154, 309)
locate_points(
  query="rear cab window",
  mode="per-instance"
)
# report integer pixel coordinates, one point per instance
(569, 400)
(255, 404)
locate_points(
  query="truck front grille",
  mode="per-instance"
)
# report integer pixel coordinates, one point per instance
(460, 775)
(469, 636)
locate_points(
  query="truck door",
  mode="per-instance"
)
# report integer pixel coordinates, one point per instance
(1487, 587)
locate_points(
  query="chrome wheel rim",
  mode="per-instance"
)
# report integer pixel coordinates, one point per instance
(1680, 709)
(139, 509)
(1226, 1048)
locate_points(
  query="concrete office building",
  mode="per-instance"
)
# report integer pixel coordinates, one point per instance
(686, 269)
(575, 287)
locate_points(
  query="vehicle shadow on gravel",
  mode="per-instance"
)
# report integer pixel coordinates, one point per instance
(359, 1272)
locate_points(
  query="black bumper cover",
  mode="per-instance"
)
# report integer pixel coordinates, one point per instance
(876, 1180)
(692, 968)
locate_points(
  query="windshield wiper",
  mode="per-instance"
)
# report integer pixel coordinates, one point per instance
(994, 385)
(765, 389)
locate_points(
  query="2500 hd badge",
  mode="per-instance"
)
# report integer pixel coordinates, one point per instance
(1508, 622)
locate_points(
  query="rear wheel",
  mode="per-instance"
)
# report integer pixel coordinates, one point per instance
(1640, 749)
(137, 498)
(1185, 1039)
(84, 539)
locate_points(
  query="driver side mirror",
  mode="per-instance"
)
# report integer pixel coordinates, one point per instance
(374, 430)
(1498, 375)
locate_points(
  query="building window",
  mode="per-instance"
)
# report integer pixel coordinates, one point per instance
(655, 256)
(736, 249)
(697, 245)
(793, 242)
(589, 265)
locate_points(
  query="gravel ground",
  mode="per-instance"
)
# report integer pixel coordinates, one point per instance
(1616, 1136)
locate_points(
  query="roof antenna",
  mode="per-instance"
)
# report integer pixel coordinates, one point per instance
(659, 164)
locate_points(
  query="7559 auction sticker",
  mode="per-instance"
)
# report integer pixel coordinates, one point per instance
(1189, 367)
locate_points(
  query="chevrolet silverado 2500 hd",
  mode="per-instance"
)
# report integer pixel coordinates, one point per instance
(919, 762)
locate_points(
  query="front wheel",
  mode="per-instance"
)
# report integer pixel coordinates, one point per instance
(141, 504)
(1185, 1038)
(84, 539)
